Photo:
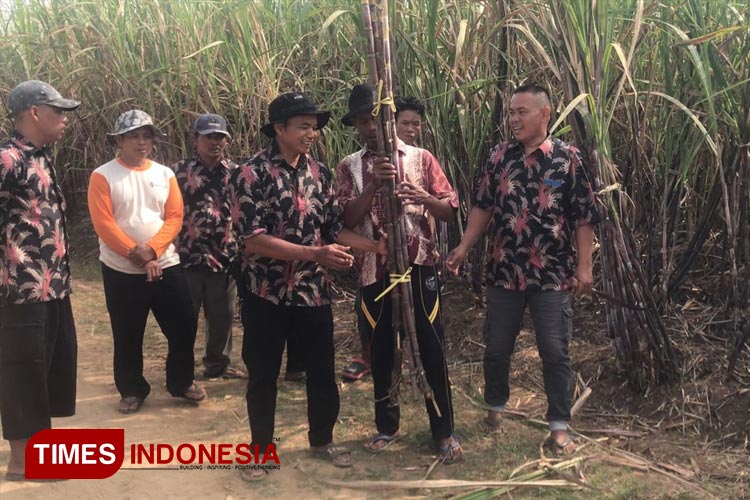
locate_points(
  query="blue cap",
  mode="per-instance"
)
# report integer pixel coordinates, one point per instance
(211, 124)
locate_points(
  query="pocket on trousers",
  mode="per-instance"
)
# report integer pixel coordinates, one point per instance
(22, 338)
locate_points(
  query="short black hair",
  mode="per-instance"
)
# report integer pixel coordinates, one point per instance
(409, 103)
(533, 89)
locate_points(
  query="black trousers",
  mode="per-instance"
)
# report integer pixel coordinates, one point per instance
(129, 299)
(363, 328)
(266, 328)
(38, 351)
(430, 336)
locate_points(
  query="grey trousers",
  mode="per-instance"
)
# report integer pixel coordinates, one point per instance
(553, 324)
(217, 293)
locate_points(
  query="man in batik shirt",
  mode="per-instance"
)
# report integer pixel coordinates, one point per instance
(207, 245)
(289, 223)
(38, 346)
(536, 198)
(426, 195)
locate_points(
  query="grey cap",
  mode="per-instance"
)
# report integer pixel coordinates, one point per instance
(131, 120)
(33, 93)
(211, 124)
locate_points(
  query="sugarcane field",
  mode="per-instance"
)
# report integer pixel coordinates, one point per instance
(361, 249)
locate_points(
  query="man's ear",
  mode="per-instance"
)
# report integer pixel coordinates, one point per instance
(278, 127)
(34, 113)
(547, 115)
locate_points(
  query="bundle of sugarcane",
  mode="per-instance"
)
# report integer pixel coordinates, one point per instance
(377, 31)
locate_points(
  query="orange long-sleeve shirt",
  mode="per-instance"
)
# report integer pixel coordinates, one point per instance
(131, 205)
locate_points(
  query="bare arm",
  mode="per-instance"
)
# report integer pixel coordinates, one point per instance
(334, 256)
(349, 238)
(411, 194)
(478, 221)
(441, 209)
(583, 278)
(356, 210)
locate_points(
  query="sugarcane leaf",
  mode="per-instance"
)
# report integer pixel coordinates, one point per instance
(212, 44)
(711, 36)
(693, 117)
(538, 48)
(570, 107)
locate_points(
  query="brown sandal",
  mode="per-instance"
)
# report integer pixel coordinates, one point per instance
(253, 475)
(492, 425)
(564, 448)
(194, 394)
(130, 404)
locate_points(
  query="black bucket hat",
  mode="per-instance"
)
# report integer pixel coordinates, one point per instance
(360, 101)
(290, 105)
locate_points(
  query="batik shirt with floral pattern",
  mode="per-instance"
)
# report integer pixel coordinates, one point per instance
(34, 264)
(207, 239)
(536, 201)
(295, 204)
(422, 168)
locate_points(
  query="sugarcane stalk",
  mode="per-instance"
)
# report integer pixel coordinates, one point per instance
(374, 53)
(406, 298)
(377, 33)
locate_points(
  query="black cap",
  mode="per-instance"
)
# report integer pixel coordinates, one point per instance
(211, 124)
(33, 93)
(290, 105)
(361, 100)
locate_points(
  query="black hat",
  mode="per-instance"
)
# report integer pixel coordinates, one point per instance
(34, 92)
(360, 101)
(290, 105)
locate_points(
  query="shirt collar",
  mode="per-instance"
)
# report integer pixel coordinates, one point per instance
(29, 148)
(276, 158)
(197, 160)
(401, 145)
(546, 144)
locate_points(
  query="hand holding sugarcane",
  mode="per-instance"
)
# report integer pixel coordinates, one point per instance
(411, 194)
(382, 170)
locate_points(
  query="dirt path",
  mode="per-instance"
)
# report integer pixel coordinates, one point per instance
(223, 419)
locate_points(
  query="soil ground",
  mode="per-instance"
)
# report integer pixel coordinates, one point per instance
(683, 456)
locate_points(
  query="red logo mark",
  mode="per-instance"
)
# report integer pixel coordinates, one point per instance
(75, 453)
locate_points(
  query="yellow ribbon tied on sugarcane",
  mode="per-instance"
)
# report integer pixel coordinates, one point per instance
(383, 101)
(395, 280)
